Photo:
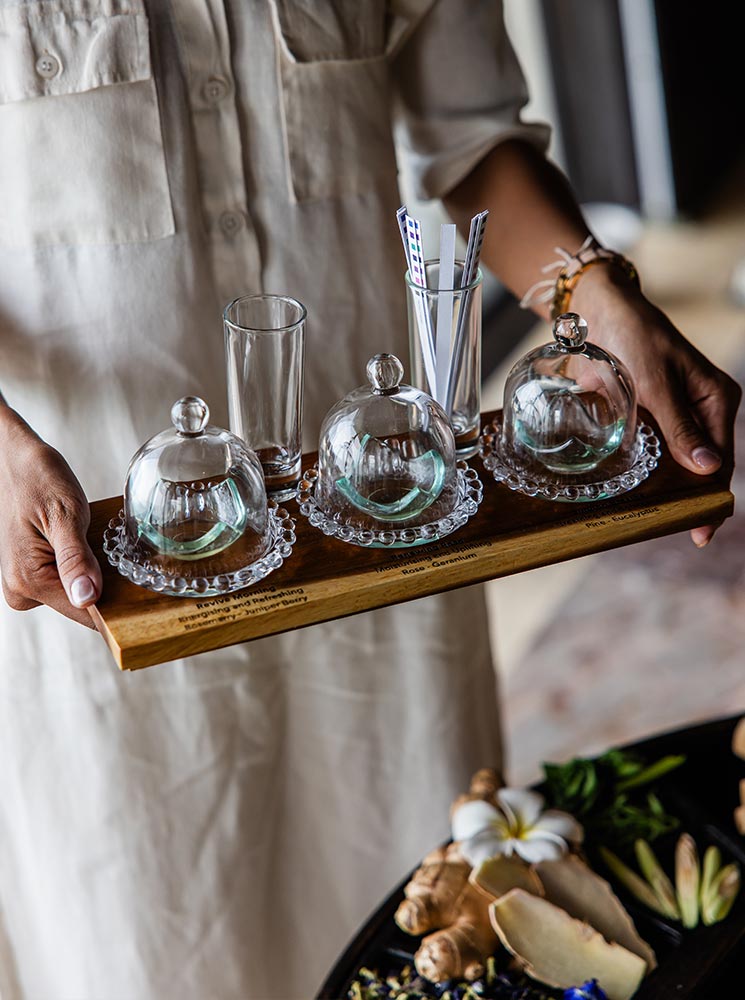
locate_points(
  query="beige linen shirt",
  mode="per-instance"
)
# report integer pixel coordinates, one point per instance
(218, 827)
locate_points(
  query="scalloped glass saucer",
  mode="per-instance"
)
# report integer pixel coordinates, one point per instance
(196, 579)
(532, 479)
(386, 536)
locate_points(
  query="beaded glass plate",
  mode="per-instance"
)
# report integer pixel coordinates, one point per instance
(470, 492)
(537, 482)
(193, 579)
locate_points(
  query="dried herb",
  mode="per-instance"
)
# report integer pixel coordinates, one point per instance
(610, 796)
(407, 985)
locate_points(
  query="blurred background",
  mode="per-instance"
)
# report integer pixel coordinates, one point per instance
(645, 101)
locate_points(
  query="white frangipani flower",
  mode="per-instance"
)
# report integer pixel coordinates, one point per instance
(519, 826)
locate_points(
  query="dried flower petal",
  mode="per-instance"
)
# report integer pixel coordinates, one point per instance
(588, 991)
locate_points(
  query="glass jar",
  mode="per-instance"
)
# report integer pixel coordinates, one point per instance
(569, 429)
(196, 518)
(387, 470)
(568, 405)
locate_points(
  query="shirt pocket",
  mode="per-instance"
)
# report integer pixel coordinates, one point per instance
(335, 94)
(83, 159)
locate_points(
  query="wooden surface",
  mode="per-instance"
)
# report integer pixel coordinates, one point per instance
(326, 578)
(703, 964)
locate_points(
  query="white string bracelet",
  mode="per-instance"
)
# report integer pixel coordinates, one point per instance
(570, 267)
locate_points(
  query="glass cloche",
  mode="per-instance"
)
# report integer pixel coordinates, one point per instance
(196, 519)
(569, 430)
(387, 474)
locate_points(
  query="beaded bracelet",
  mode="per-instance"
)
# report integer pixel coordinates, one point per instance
(572, 267)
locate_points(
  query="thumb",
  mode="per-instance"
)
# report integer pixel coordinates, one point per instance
(689, 444)
(77, 567)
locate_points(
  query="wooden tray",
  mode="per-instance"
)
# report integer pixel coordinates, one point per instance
(326, 579)
(704, 964)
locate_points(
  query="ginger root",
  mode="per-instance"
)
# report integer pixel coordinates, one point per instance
(439, 898)
(433, 894)
(484, 785)
(460, 950)
(434, 891)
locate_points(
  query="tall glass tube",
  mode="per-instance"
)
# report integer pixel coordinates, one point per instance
(264, 348)
(463, 403)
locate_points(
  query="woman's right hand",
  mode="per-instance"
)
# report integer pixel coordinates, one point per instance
(44, 555)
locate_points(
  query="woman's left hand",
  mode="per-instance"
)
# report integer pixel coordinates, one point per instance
(533, 210)
(693, 402)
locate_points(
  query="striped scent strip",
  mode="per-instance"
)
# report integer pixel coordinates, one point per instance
(419, 306)
(415, 258)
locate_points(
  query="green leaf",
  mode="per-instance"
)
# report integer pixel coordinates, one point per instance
(651, 773)
(605, 795)
(687, 879)
(633, 882)
(655, 806)
(711, 868)
(623, 764)
(657, 878)
(724, 890)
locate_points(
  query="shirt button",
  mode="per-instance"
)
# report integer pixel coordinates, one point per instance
(215, 89)
(48, 66)
(231, 223)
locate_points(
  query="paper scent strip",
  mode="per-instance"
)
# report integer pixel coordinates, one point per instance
(419, 305)
(470, 270)
(444, 310)
(401, 220)
(418, 273)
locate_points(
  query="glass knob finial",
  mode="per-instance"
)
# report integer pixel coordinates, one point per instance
(385, 372)
(190, 415)
(570, 330)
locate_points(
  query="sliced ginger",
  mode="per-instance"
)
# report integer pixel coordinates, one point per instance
(738, 739)
(496, 876)
(560, 951)
(575, 888)
(740, 820)
(738, 749)
(740, 810)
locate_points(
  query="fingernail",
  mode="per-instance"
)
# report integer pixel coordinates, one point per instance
(701, 537)
(705, 458)
(81, 591)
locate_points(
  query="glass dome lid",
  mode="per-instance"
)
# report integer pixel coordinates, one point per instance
(387, 472)
(196, 519)
(569, 429)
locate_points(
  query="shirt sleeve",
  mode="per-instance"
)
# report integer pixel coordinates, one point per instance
(458, 91)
